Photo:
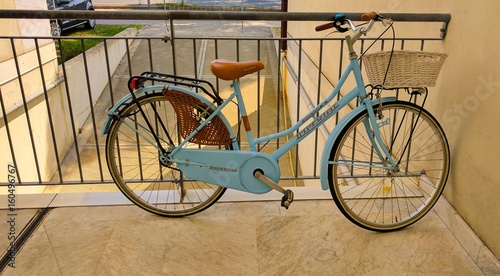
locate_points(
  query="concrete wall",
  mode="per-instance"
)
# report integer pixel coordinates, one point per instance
(464, 100)
(97, 71)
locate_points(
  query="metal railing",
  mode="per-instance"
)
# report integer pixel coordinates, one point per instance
(83, 161)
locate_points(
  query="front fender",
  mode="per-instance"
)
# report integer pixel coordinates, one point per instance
(335, 134)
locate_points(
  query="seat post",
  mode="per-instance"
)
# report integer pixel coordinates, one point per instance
(243, 113)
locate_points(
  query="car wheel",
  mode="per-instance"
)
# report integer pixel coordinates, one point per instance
(90, 24)
(55, 28)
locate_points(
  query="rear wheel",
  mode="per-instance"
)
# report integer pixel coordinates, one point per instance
(378, 199)
(136, 166)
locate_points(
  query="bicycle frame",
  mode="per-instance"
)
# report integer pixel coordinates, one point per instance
(357, 92)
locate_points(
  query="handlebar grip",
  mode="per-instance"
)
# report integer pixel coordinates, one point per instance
(324, 27)
(369, 16)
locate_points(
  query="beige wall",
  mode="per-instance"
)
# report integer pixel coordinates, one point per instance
(464, 101)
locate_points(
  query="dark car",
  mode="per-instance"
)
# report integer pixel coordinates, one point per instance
(57, 26)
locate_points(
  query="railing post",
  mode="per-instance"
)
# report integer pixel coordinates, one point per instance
(284, 26)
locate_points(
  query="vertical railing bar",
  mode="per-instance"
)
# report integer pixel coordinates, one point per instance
(258, 94)
(150, 49)
(318, 97)
(110, 84)
(108, 71)
(361, 50)
(402, 48)
(237, 50)
(217, 82)
(129, 60)
(422, 42)
(194, 59)
(341, 61)
(157, 125)
(239, 119)
(9, 137)
(172, 43)
(278, 96)
(26, 111)
(49, 112)
(355, 131)
(372, 150)
(138, 145)
(70, 110)
(195, 62)
(299, 83)
(94, 126)
(216, 49)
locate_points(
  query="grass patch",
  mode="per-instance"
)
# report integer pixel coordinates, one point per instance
(73, 47)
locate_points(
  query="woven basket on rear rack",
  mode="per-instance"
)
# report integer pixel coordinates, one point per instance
(188, 109)
(407, 68)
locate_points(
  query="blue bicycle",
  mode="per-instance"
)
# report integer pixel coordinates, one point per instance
(172, 152)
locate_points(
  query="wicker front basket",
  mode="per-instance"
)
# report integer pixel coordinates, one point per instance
(407, 68)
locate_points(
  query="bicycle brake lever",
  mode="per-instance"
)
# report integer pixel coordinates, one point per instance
(338, 21)
(338, 26)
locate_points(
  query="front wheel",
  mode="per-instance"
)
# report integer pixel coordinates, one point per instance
(55, 28)
(379, 199)
(139, 169)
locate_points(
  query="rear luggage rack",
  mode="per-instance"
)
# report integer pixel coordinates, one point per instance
(136, 82)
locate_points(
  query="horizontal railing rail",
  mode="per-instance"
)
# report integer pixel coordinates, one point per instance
(215, 15)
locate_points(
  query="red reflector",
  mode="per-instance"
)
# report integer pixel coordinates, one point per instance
(133, 84)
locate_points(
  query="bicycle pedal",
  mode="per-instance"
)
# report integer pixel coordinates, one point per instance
(287, 199)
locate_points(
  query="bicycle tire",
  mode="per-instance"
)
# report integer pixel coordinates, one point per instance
(375, 198)
(136, 169)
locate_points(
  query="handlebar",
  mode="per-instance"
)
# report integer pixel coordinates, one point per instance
(340, 20)
(324, 27)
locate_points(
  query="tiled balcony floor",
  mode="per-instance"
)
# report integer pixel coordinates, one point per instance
(245, 238)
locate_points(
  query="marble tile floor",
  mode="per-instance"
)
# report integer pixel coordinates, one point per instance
(244, 238)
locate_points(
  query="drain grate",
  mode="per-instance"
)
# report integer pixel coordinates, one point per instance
(23, 237)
